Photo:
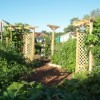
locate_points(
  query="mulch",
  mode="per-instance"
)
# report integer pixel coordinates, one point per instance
(49, 75)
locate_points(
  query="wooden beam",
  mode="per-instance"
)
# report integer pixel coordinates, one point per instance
(81, 22)
(53, 27)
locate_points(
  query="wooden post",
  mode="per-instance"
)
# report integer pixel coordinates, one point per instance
(90, 54)
(52, 43)
(11, 36)
(33, 41)
(33, 44)
(7, 40)
(10, 28)
(53, 28)
(77, 43)
(25, 48)
(1, 33)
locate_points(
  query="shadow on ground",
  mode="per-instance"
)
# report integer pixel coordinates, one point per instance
(48, 75)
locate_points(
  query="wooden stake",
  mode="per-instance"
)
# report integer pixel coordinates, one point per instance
(33, 43)
(25, 46)
(1, 33)
(77, 43)
(90, 54)
(52, 43)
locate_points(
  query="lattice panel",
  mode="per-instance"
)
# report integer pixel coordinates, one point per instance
(82, 56)
(24, 46)
(28, 46)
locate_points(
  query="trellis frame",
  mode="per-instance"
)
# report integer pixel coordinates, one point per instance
(28, 48)
(29, 45)
(82, 66)
(28, 40)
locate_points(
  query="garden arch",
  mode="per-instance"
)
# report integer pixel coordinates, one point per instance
(84, 60)
(29, 45)
(28, 39)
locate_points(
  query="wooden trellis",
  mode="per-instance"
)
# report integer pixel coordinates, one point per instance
(84, 61)
(28, 40)
(81, 54)
(28, 48)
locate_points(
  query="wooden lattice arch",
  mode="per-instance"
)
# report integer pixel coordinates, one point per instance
(84, 59)
(28, 48)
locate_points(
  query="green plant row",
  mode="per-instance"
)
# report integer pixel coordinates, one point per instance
(65, 55)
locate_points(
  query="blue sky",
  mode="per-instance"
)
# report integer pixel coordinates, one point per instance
(43, 12)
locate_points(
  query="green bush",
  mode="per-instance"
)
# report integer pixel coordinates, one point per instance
(85, 87)
(65, 55)
(12, 66)
(37, 48)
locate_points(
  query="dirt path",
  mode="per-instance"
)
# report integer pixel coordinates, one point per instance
(49, 75)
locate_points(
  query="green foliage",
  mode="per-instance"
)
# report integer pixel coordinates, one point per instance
(69, 28)
(74, 19)
(94, 40)
(15, 36)
(65, 55)
(85, 87)
(47, 46)
(12, 66)
(94, 14)
(82, 87)
(59, 34)
(37, 48)
(22, 91)
(8, 52)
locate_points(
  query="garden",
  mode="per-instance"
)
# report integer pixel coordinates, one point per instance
(23, 79)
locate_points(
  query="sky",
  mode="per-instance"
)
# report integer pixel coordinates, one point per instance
(43, 12)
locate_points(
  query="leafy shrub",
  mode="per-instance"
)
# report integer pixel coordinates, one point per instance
(8, 52)
(86, 88)
(22, 91)
(12, 66)
(83, 86)
(38, 48)
(64, 55)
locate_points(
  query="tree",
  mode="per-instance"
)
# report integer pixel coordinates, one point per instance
(71, 28)
(74, 19)
(86, 16)
(94, 14)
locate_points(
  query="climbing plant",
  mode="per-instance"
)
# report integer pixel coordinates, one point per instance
(15, 34)
(94, 40)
